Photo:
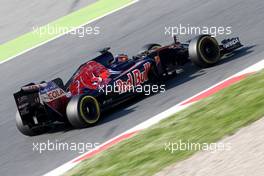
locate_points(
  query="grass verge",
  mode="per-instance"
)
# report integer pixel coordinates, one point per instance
(75, 19)
(204, 122)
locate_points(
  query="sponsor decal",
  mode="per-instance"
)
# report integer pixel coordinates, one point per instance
(124, 86)
(30, 88)
(51, 92)
(21, 99)
(53, 95)
(135, 78)
(231, 42)
(49, 87)
(22, 106)
(107, 101)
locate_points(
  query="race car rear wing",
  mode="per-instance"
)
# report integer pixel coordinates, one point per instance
(27, 101)
(31, 102)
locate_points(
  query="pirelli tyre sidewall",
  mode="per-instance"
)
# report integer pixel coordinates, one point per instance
(204, 51)
(83, 111)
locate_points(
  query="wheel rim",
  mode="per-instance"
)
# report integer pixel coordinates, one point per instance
(209, 50)
(89, 109)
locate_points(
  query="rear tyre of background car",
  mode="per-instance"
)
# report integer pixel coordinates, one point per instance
(204, 51)
(151, 46)
(83, 111)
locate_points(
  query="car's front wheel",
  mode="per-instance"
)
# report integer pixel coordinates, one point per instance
(204, 51)
(83, 111)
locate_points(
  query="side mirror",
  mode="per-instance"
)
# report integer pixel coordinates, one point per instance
(104, 50)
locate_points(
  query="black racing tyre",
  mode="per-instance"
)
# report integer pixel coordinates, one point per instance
(24, 129)
(151, 46)
(83, 111)
(204, 51)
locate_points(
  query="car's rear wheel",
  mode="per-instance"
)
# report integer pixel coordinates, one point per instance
(204, 51)
(25, 129)
(83, 111)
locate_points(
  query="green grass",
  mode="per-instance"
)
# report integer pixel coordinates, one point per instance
(75, 19)
(204, 122)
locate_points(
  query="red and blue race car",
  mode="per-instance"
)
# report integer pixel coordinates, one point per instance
(106, 81)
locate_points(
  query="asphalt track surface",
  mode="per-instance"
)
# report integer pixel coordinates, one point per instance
(19, 17)
(126, 30)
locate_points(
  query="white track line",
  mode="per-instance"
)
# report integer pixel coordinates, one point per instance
(60, 35)
(152, 121)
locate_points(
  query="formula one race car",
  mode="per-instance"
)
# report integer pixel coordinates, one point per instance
(105, 81)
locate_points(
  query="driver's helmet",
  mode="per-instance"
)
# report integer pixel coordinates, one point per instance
(121, 58)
